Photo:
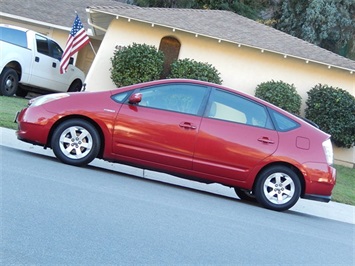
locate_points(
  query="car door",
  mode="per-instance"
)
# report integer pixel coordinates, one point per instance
(162, 128)
(45, 71)
(235, 135)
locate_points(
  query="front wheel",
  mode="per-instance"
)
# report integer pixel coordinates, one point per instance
(278, 188)
(76, 142)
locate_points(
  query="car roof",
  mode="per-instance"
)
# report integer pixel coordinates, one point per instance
(13, 27)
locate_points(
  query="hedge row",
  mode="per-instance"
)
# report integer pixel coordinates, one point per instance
(332, 109)
(141, 62)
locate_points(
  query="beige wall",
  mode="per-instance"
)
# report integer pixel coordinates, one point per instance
(241, 68)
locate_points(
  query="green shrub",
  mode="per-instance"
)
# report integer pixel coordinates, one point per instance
(280, 94)
(333, 109)
(191, 69)
(136, 63)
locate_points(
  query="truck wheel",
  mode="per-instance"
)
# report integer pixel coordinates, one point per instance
(75, 86)
(21, 92)
(8, 82)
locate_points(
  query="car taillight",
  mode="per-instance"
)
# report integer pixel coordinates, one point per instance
(328, 151)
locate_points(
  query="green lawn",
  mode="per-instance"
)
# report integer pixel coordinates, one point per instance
(344, 191)
(8, 108)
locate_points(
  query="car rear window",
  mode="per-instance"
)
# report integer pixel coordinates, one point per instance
(13, 36)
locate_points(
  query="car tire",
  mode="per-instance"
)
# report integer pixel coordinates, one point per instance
(8, 82)
(21, 92)
(75, 86)
(278, 188)
(76, 142)
(245, 195)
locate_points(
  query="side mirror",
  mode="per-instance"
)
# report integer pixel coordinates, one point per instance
(135, 98)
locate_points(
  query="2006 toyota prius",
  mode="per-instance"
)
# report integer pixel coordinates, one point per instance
(191, 129)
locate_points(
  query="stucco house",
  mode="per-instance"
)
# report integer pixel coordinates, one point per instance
(245, 52)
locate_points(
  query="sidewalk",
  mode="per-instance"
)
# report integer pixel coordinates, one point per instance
(332, 210)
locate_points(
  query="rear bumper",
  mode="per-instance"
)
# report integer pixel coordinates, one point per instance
(317, 197)
(320, 181)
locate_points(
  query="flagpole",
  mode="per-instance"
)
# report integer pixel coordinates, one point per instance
(92, 47)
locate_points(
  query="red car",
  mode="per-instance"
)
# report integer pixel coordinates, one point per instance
(191, 129)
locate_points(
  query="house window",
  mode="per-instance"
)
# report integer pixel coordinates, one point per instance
(170, 46)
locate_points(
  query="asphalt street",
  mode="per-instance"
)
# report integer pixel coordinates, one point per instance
(332, 210)
(57, 214)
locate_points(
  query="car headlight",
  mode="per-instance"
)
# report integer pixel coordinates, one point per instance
(328, 151)
(46, 98)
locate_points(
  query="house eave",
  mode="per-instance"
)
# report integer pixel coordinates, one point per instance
(33, 21)
(197, 34)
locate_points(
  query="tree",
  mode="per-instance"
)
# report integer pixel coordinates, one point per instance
(326, 23)
(165, 3)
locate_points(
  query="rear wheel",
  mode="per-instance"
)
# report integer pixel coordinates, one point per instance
(278, 188)
(76, 142)
(8, 82)
(75, 86)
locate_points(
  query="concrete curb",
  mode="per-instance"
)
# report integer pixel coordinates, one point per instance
(332, 210)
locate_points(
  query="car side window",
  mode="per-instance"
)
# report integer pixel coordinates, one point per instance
(13, 36)
(48, 47)
(121, 97)
(183, 98)
(234, 108)
(55, 50)
(282, 122)
(42, 45)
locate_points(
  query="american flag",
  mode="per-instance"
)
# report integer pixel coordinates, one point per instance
(77, 39)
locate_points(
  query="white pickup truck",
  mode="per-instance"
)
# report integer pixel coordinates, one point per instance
(29, 61)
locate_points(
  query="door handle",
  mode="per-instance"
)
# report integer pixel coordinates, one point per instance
(36, 59)
(187, 125)
(54, 64)
(266, 140)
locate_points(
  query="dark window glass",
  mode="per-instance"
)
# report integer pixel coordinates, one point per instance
(13, 36)
(170, 48)
(55, 50)
(234, 108)
(121, 97)
(283, 123)
(42, 45)
(183, 98)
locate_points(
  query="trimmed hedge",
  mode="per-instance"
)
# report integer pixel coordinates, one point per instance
(191, 69)
(333, 109)
(136, 63)
(280, 94)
